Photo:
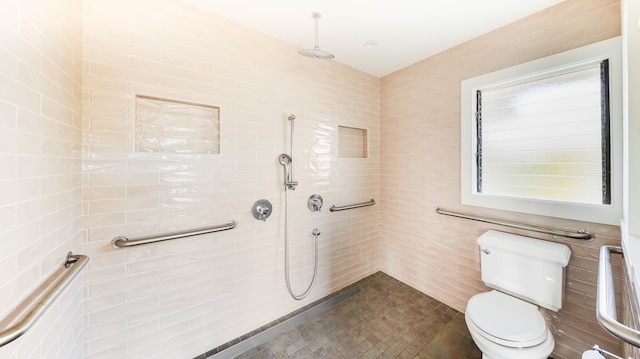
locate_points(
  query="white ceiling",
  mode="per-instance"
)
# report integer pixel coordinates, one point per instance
(406, 31)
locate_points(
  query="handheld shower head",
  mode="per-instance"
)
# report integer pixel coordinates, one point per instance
(285, 159)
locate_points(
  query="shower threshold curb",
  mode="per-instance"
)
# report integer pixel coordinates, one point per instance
(270, 333)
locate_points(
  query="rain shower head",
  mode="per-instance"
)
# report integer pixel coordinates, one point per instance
(316, 53)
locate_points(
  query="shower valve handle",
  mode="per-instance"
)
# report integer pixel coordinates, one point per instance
(315, 203)
(262, 209)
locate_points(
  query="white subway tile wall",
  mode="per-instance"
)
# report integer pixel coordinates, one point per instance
(420, 155)
(40, 175)
(181, 298)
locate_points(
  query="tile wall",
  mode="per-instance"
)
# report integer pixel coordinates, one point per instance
(181, 298)
(420, 155)
(630, 314)
(40, 171)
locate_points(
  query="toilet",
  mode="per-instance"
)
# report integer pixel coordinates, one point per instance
(526, 274)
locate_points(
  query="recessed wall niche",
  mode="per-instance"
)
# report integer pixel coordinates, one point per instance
(172, 126)
(352, 142)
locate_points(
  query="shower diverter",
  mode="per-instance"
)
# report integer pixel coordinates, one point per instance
(262, 209)
(315, 202)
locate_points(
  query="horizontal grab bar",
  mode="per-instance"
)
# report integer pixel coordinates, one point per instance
(581, 234)
(604, 352)
(606, 299)
(352, 206)
(74, 263)
(123, 242)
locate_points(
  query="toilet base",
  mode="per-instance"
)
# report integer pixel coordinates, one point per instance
(491, 350)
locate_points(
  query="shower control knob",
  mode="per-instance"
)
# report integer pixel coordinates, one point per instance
(315, 203)
(261, 210)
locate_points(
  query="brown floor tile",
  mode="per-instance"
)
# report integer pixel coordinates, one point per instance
(386, 320)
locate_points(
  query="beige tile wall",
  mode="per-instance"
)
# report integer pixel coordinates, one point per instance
(420, 155)
(40, 171)
(179, 299)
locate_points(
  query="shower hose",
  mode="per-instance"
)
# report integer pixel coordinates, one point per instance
(286, 254)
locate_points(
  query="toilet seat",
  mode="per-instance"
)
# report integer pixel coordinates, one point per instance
(507, 320)
(492, 350)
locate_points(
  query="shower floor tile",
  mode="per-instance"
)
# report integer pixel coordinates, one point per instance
(387, 319)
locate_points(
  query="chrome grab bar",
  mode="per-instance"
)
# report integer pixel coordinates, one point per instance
(606, 299)
(604, 352)
(581, 234)
(123, 241)
(352, 206)
(75, 263)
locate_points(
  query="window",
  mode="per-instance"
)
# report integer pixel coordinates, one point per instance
(544, 137)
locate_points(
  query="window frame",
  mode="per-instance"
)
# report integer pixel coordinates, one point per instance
(559, 63)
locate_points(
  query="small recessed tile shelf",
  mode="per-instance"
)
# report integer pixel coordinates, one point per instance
(352, 142)
(173, 126)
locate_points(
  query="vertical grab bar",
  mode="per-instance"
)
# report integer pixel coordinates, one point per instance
(606, 299)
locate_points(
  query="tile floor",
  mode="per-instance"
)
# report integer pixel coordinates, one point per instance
(387, 319)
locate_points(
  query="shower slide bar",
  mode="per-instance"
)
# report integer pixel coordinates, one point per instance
(606, 299)
(74, 264)
(352, 206)
(124, 242)
(580, 234)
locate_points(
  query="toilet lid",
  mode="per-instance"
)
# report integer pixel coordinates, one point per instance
(507, 320)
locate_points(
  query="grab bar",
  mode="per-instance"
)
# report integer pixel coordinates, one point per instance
(604, 352)
(581, 234)
(123, 241)
(352, 206)
(31, 316)
(606, 299)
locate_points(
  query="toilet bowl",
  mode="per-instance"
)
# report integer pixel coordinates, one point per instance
(505, 327)
(526, 274)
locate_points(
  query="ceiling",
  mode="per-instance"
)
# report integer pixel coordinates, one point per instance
(406, 31)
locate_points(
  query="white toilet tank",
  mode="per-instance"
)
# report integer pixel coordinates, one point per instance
(527, 268)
